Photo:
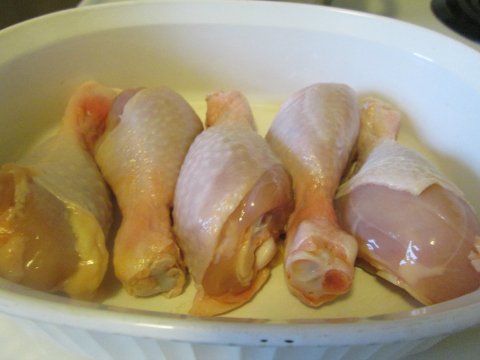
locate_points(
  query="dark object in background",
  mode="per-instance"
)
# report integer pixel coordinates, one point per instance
(13, 11)
(462, 16)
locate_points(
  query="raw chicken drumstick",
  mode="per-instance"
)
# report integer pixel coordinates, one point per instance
(148, 134)
(55, 210)
(413, 225)
(232, 200)
(313, 134)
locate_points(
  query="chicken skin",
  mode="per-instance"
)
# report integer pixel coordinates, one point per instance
(313, 134)
(232, 201)
(55, 209)
(148, 134)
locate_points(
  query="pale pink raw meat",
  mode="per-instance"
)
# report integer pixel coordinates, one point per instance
(148, 134)
(232, 200)
(313, 134)
(413, 225)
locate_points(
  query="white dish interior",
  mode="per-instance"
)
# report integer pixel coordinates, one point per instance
(266, 50)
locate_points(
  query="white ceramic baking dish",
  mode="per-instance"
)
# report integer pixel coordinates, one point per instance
(267, 50)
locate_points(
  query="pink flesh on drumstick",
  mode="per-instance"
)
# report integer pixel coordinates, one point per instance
(413, 225)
